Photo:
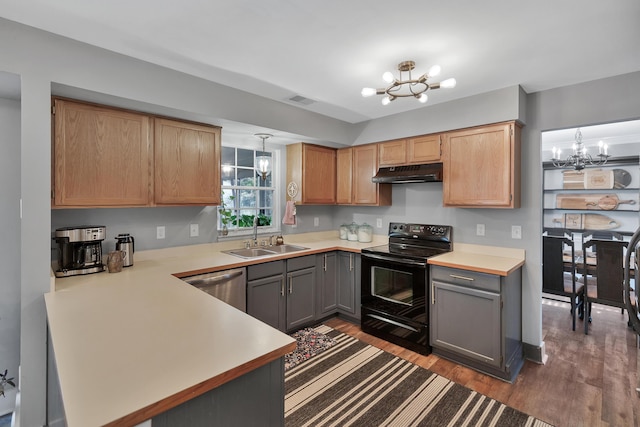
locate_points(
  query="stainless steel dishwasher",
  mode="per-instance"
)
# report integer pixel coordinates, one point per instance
(230, 286)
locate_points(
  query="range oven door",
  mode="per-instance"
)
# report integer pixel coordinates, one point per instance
(394, 300)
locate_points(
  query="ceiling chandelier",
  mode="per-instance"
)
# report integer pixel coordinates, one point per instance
(580, 158)
(263, 162)
(399, 88)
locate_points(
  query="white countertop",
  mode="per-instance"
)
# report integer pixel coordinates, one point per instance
(133, 344)
(484, 259)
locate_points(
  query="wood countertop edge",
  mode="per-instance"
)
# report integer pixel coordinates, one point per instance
(476, 268)
(185, 395)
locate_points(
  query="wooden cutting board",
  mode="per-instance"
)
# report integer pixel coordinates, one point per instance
(595, 179)
(607, 202)
(587, 222)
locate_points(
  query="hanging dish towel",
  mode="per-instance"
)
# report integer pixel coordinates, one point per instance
(289, 213)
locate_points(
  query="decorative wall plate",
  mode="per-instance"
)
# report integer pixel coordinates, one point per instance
(292, 189)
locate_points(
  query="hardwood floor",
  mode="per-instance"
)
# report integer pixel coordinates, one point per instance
(588, 380)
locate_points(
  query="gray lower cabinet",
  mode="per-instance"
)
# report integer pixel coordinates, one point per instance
(301, 289)
(476, 320)
(349, 284)
(326, 284)
(282, 293)
(266, 295)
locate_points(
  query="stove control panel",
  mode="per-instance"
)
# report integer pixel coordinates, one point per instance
(420, 231)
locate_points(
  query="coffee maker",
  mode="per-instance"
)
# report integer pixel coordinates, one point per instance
(79, 250)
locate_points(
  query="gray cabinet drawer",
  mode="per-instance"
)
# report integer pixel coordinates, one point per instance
(267, 269)
(471, 279)
(301, 262)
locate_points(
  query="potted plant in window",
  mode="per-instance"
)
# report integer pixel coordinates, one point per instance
(5, 382)
(226, 216)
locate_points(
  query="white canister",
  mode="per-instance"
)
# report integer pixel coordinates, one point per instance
(344, 231)
(352, 233)
(365, 233)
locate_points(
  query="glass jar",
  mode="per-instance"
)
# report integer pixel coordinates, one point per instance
(352, 233)
(344, 231)
(365, 233)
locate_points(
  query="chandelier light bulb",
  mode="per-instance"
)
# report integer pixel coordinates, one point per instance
(368, 91)
(449, 83)
(434, 71)
(388, 77)
(423, 98)
(386, 100)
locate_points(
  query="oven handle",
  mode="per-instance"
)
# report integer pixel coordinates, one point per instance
(393, 322)
(396, 260)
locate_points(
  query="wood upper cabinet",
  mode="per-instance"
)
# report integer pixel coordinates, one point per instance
(410, 151)
(423, 149)
(482, 167)
(357, 166)
(101, 156)
(313, 169)
(344, 179)
(187, 163)
(108, 157)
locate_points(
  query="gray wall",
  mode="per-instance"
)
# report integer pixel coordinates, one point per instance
(10, 242)
(45, 61)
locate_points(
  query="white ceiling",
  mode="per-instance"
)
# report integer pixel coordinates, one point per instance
(327, 51)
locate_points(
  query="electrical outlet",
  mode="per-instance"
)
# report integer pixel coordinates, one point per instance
(378, 222)
(516, 232)
(160, 232)
(316, 221)
(480, 229)
(193, 230)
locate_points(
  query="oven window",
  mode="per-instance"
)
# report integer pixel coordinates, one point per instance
(392, 285)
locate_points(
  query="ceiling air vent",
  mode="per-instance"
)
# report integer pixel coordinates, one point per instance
(301, 100)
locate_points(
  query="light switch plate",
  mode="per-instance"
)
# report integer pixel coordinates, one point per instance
(193, 230)
(480, 229)
(516, 232)
(378, 222)
(160, 232)
(316, 221)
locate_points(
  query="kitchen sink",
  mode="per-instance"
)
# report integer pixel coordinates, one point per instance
(285, 249)
(249, 252)
(269, 250)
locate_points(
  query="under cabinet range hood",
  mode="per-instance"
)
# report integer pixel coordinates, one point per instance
(431, 172)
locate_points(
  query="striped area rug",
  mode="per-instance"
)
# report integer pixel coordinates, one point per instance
(356, 384)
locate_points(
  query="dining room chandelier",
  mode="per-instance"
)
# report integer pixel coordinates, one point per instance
(263, 163)
(580, 158)
(401, 88)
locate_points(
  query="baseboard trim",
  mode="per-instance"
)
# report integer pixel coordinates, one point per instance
(535, 353)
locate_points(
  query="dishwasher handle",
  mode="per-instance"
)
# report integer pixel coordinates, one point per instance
(215, 280)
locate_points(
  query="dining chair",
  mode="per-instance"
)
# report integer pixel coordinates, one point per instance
(558, 275)
(604, 280)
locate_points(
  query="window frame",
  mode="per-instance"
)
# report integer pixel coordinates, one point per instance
(275, 227)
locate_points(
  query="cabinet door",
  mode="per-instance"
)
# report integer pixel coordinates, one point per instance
(101, 156)
(482, 167)
(344, 181)
(423, 149)
(347, 283)
(365, 166)
(319, 174)
(301, 288)
(467, 321)
(266, 300)
(187, 163)
(392, 153)
(327, 283)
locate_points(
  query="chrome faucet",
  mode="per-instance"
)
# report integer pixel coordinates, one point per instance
(255, 230)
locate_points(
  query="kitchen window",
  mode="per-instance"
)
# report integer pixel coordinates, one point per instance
(245, 194)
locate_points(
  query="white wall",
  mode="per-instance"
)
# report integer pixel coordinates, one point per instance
(10, 243)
